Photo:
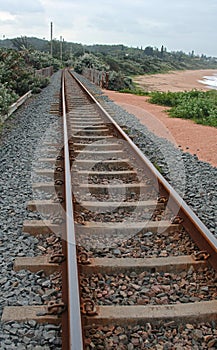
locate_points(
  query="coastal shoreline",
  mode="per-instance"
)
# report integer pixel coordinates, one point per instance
(175, 80)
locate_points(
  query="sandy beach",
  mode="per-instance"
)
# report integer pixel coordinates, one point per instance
(174, 81)
(185, 134)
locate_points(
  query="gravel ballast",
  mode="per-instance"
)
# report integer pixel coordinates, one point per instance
(20, 145)
(164, 337)
(145, 245)
(20, 141)
(150, 288)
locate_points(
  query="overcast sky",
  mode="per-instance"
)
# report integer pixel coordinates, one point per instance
(179, 25)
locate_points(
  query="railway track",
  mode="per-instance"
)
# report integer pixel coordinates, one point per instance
(127, 251)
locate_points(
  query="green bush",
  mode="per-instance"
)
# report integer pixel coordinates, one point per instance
(7, 97)
(197, 105)
(135, 92)
(39, 82)
(164, 98)
(39, 60)
(117, 81)
(89, 61)
(17, 74)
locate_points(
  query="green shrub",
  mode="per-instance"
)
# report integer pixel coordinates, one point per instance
(17, 74)
(135, 92)
(197, 105)
(7, 97)
(117, 81)
(169, 99)
(89, 61)
(39, 82)
(17, 70)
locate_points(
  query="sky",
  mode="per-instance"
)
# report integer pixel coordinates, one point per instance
(178, 25)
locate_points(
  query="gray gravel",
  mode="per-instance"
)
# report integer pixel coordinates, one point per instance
(21, 141)
(29, 335)
(195, 180)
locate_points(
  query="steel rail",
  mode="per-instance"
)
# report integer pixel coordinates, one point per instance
(193, 225)
(75, 338)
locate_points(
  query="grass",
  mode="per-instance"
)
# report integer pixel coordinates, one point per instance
(200, 106)
(135, 92)
(158, 168)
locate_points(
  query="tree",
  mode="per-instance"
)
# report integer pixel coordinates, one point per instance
(162, 51)
(149, 51)
(21, 43)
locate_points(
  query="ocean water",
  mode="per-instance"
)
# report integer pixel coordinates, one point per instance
(210, 81)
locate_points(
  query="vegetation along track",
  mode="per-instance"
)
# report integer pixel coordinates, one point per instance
(128, 254)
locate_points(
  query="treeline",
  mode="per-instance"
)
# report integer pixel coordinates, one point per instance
(129, 60)
(134, 61)
(124, 62)
(120, 61)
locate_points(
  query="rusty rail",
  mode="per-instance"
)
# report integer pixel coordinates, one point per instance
(193, 225)
(72, 319)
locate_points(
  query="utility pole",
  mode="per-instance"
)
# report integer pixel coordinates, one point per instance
(61, 48)
(51, 39)
(71, 52)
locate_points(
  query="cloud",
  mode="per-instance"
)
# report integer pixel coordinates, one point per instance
(23, 18)
(17, 7)
(186, 24)
(6, 17)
